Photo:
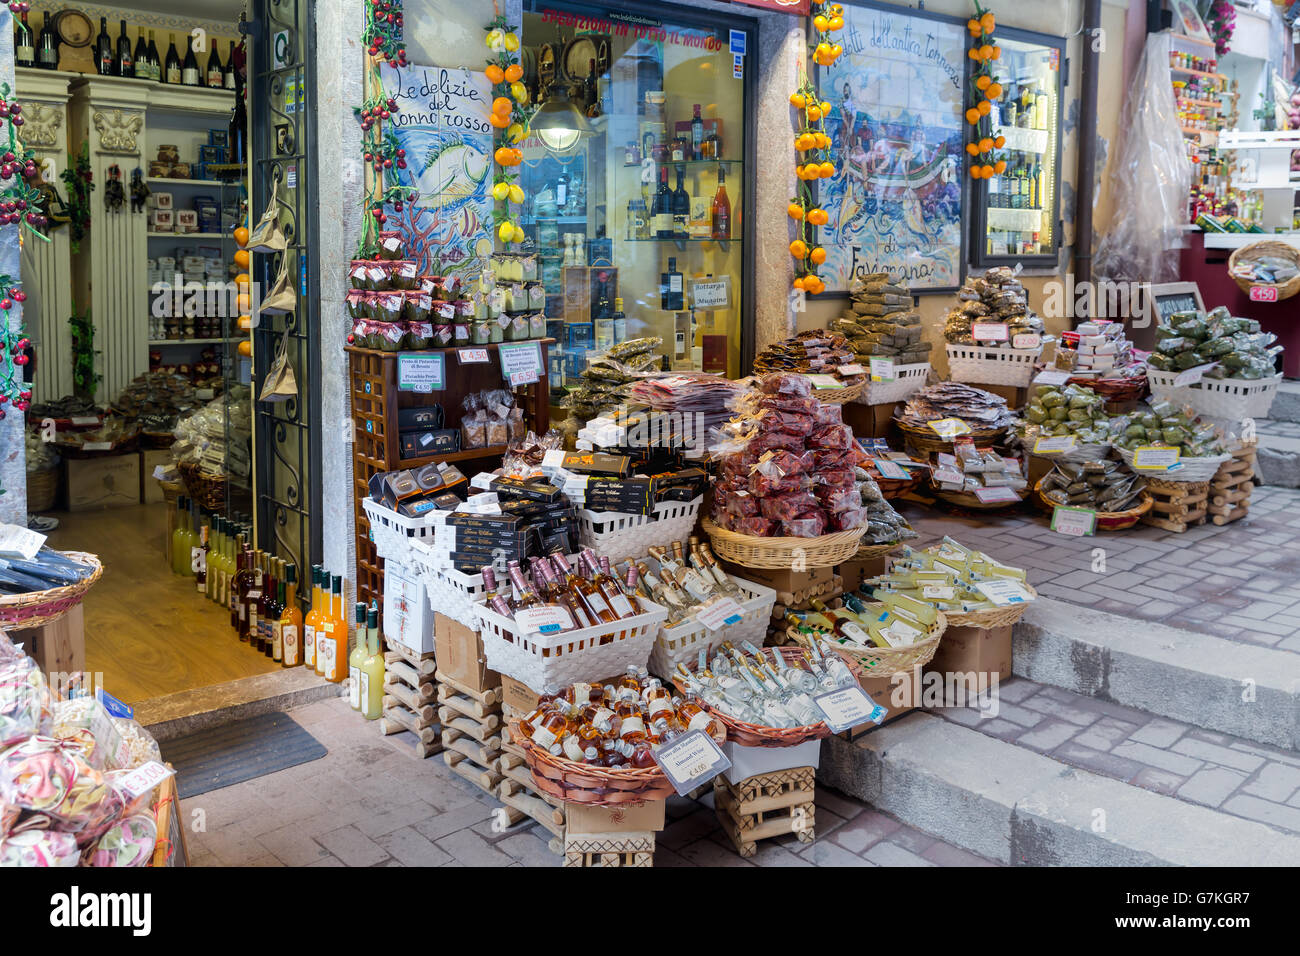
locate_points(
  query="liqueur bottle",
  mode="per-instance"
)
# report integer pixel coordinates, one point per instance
(291, 622)
(372, 669)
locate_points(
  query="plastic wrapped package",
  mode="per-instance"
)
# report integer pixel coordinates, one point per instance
(127, 842)
(808, 525)
(786, 383)
(742, 504)
(764, 486)
(85, 722)
(786, 506)
(39, 847)
(45, 775)
(1150, 178)
(831, 437)
(848, 519)
(836, 498)
(802, 405)
(758, 527)
(24, 701)
(828, 415)
(791, 423)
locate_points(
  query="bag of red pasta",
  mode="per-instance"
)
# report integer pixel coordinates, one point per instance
(786, 506)
(831, 436)
(827, 414)
(764, 486)
(807, 525)
(758, 527)
(790, 423)
(848, 519)
(791, 403)
(742, 504)
(835, 478)
(831, 459)
(785, 383)
(837, 499)
(786, 462)
(772, 441)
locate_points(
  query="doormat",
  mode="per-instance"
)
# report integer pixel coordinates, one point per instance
(230, 754)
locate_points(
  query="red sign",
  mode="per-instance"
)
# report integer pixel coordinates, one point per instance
(796, 7)
(1263, 293)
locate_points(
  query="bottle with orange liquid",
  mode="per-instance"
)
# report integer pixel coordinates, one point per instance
(336, 637)
(312, 622)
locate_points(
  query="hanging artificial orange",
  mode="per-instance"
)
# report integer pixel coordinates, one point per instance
(984, 91)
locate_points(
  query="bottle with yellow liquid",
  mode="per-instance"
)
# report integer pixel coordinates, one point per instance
(359, 653)
(180, 552)
(372, 669)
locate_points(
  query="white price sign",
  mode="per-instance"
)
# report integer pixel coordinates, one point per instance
(847, 370)
(721, 613)
(1192, 375)
(989, 331)
(1026, 340)
(1076, 522)
(691, 760)
(882, 369)
(1051, 377)
(1155, 457)
(144, 779)
(548, 619)
(890, 469)
(1055, 445)
(472, 356)
(84, 420)
(711, 295)
(825, 381)
(848, 707)
(521, 363)
(1004, 591)
(19, 542)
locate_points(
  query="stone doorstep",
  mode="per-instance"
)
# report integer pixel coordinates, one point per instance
(1026, 809)
(1194, 678)
(174, 715)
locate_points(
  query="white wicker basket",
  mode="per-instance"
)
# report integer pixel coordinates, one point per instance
(1187, 469)
(392, 533)
(681, 643)
(908, 380)
(1230, 398)
(586, 654)
(617, 536)
(451, 593)
(981, 365)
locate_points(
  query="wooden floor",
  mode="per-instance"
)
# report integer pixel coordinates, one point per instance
(147, 630)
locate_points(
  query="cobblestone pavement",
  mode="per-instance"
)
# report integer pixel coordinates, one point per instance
(370, 802)
(1239, 581)
(1265, 426)
(1235, 776)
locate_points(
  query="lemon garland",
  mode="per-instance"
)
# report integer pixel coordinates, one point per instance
(813, 143)
(510, 122)
(984, 91)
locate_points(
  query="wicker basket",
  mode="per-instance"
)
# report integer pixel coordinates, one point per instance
(757, 735)
(927, 443)
(838, 396)
(619, 536)
(868, 551)
(208, 490)
(1106, 520)
(750, 551)
(1188, 470)
(992, 616)
(984, 365)
(968, 500)
(897, 487)
(873, 662)
(1267, 247)
(171, 490)
(42, 489)
(587, 784)
(1115, 389)
(682, 642)
(908, 380)
(45, 607)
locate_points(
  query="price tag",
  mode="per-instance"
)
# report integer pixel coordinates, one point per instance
(1263, 293)
(848, 707)
(949, 427)
(949, 475)
(521, 363)
(1155, 457)
(990, 496)
(97, 446)
(890, 469)
(989, 331)
(882, 369)
(523, 377)
(1192, 375)
(472, 356)
(19, 542)
(84, 420)
(1004, 591)
(1055, 445)
(825, 381)
(1076, 522)
(113, 705)
(548, 619)
(1051, 377)
(691, 760)
(144, 779)
(720, 614)
(421, 373)
(1026, 340)
(852, 370)
(711, 295)
(938, 592)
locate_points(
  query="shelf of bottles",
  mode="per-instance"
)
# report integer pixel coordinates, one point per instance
(118, 57)
(1019, 213)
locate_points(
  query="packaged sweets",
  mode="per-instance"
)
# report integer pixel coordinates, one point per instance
(391, 245)
(403, 274)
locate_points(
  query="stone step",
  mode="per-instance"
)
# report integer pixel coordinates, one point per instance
(1016, 806)
(174, 715)
(1286, 404)
(1245, 690)
(1277, 458)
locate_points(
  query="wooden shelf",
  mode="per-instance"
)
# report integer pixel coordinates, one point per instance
(465, 454)
(187, 182)
(154, 343)
(188, 235)
(491, 347)
(1187, 72)
(1211, 103)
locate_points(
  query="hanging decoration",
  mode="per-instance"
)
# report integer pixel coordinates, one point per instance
(20, 197)
(13, 345)
(114, 191)
(85, 380)
(813, 143)
(379, 147)
(78, 179)
(983, 92)
(510, 124)
(1220, 22)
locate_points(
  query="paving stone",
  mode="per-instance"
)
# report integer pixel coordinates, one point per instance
(377, 824)
(292, 845)
(1076, 755)
(412, 848)
(1016, 689)
(1154, 757)
(689, 829)
(1160, 781)
(352, 846)
(709, 851)
(846, 808)
(945, 854)
(774, 853)
(1158, 733)
(862, 831)
(1275, 781)
(1211, 785)
(891, 854)
(471, 849)
(1105, 733)
(1265, 811)
(826, 853)
(530, 849)
(1224, 756)
(439, 825)
(1075, 712)
(328, 860)
(1048, 735)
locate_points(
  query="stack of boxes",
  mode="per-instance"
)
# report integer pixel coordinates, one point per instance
(1096, 349)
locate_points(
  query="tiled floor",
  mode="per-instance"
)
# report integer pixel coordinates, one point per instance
(369, 802)
(1236, 776)
(1239, 581)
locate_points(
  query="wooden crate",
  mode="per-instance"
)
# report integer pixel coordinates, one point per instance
(766, 805)
(170, 848)
(609, 849)
(1177, 506)
(1231, 486)
(410, 699)
(471, 731)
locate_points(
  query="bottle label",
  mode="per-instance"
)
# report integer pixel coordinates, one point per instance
(277, 642)
(26, 52)
(289, 644)
(354, 688)
(543, 737)
(603, 715)
(662, 222)
(658, 706)
(855, 633)
(572, 749)
(190, 77)
(326, 649)
(309, 644)
(214, 78)
(700, 721)
(622, 606)
(630, 725)
(597, 602)
(253, 629)
(364, 693)
(582, 694)
(173, 74)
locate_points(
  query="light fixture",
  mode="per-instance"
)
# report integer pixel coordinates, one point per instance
(558, 123)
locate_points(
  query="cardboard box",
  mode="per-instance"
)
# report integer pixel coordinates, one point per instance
(108, 482)
(151, 492)
(782, 579)
(580, 818)
(408, 620)
(870, 421)
(899, 698)
(517, 696)
(854, 572)
(983, 651)
(460, 654)
(750, 761)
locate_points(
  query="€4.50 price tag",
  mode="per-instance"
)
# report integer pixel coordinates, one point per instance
(691, 760)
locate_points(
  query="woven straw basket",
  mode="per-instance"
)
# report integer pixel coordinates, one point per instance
(750, 551)
(925, 441)
(838, 396)
(587, 784)
(993, 616)
(874, 662)
(45, 607)
(1268, 247)
(1106, 520)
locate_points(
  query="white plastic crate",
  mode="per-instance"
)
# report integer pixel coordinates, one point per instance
(392, 533)
(908, 380)
(981, 365)
(618, 536)
(681, 643)
(1229, 398)
(585, 654)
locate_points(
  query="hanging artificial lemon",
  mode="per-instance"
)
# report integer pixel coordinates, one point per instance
(519, 92)
(501, 192)
(516, 132)
(511, 42)
(516, 194)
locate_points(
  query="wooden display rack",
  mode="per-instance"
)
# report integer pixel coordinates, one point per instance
(471, 732)
(521, 798)
(1231, 486)
(1177, 506)
(375, 400)
(409, 692)
(636, 848)
(766, 805)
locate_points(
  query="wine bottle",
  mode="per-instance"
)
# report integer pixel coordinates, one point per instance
(190, 66)
(228, 74)
(155, 60)
(291, 620)
(140, 58)
(697, 134)
(124, 64)
(661, 213)
(670, 288)
(372, 669)
(355, 659)
(24, 43)
(172, 68)
(681, 206)
(214, 77)
(720, 214)
(47, 51)
(104, 49)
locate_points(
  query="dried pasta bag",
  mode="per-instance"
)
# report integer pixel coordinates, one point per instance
(832, 459)
(828, 415)
(789, 423)
(808, 525)
(799, 404)
(771, 441)
(24, 701)
(763, 486)
(786, 506)
(841, 477)
(837, 498)
(787, 462)
(742, 504)
(831, 436)
(758, 527)
(786, 383)
(848, 519)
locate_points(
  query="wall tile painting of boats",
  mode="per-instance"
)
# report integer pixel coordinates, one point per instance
(896, 127)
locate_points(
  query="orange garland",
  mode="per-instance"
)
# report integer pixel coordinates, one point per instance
(986, 91)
